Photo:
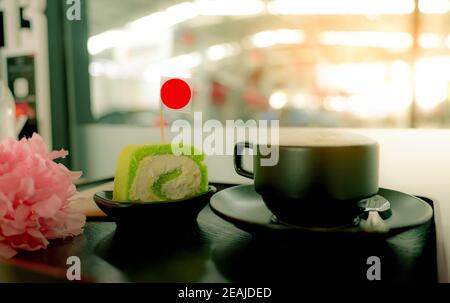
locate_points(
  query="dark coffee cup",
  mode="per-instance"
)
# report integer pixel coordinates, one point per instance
(320, 174)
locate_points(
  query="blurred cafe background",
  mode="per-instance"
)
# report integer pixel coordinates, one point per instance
(309, 63)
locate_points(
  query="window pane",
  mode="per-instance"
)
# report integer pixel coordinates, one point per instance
(347, 63)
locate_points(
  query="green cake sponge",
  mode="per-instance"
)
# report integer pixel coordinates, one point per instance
(150, 173)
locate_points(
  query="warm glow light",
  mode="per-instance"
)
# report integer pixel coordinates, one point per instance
(434, 6)
(229, 7)
(221, 51)
(335, 103)
(96, 69)
(430, 40)
(186, 61)
(278, 100)
(178, 66)
(299, 101)
(366, 106)
(371, 89)
(281, 36)
(153, 73)
(109, 69)
(138, 30)
(103, 41)
(341, 7)
(171, 16)
(380, 90)
(395, 40)
(151, 21)
(181, 12)
(447, 41)
(432, 76)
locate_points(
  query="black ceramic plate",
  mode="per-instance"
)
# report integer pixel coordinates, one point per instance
(173, 212)
(243, 207)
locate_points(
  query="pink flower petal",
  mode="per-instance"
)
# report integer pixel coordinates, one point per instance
(3, 210)
(57, 154)
(26, 188)
(36, 143)
(21, 213)
(11, 228)
(5, 205)
(9, 183)
(48, 207)
(34, 197)
(29, 242)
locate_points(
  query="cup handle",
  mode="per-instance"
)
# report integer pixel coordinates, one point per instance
(238, 152)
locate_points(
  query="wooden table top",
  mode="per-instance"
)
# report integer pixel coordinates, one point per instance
(213, 250)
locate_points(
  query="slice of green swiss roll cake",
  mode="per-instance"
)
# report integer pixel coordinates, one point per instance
(150, 173)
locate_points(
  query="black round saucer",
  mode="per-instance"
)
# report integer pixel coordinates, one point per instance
(245, 208)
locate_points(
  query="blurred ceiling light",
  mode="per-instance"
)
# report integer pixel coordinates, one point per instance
(152, 21)
(366, 106)
(432, 76)
(221, 51)
(400, 86)
(109, 69)
(430, 40)
(374, 89)
(171, 16)
(434, 6)
(378, 104)
(96, 69)
(278, 100)
(341, 7)
(335, 103)
(186, 61)
(230, 7)
(103, 41)
(178, 66)
(280, 36)
(139, 28)
(300, 100)
(397, 40)
(181, 12)
(154, 72)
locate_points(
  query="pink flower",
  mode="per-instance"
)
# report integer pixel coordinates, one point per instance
(34, 197)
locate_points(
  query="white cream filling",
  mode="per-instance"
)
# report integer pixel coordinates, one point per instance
(152, 167)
